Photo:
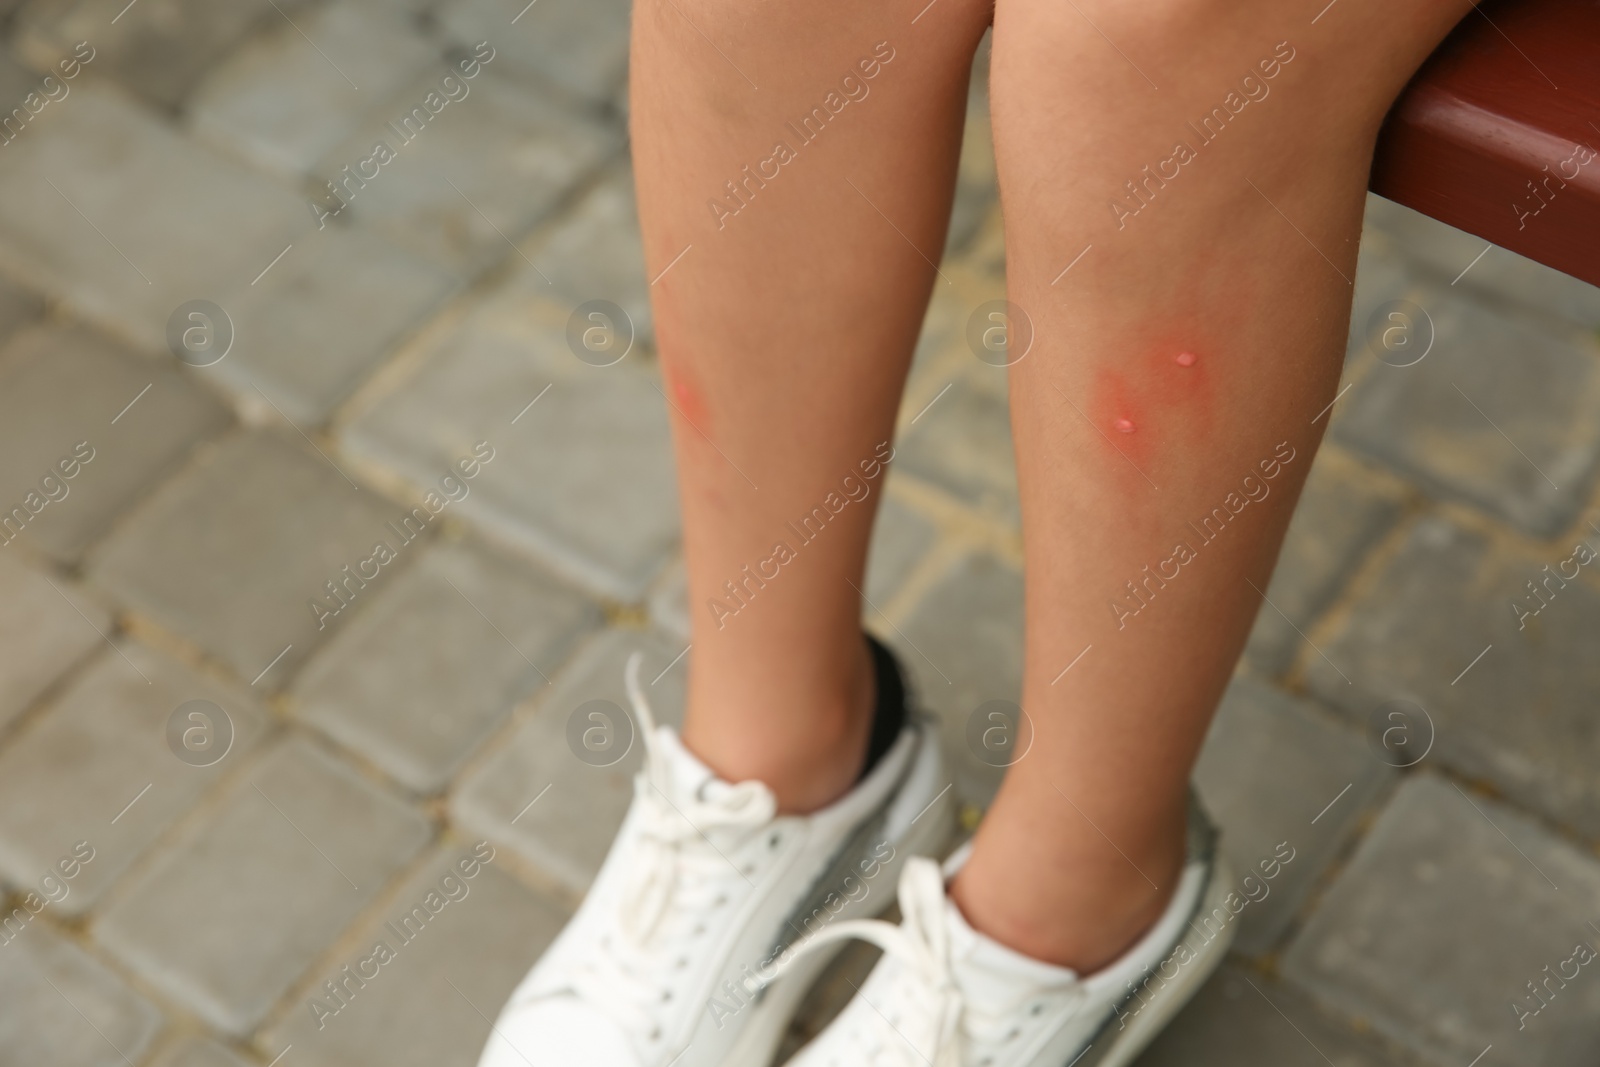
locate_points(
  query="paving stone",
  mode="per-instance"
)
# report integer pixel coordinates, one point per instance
(225, 919)
(1276, 770)
(190, 222)
(669, 603)
(283, 99)
(160, 52)
(18, 308)
(596, 254)
(1448, 909)
(1382, 274)
(567, 832)
(101, 753)
(355, 297)
(1344, 509)
(962, 645)
(419, 681)
(582, 45)
(1522, 716)
(89, 1019)
(200, 1052)
(1500, 276)
(510, 152)
(900, 538)
(583, 478)
(962, 444)
(232, 553)
(1241, 1016)
(1497, 413)
(17, 79)
(61, 387)
(41, 633)
(454, 970)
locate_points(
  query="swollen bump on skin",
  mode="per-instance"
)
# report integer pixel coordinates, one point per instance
(1186, 359)
(1123, 425)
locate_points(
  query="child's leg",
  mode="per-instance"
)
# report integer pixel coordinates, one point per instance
(785, 329)
(1212, 157)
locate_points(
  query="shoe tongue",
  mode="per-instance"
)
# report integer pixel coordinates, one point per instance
(685, 780)
(989, 973)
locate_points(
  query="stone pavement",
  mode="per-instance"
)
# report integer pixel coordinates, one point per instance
(212, 799)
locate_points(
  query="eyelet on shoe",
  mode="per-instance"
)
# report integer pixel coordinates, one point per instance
(1036, 1009)
(1015, 1033)
(772, 842)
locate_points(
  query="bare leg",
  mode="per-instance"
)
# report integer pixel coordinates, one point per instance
(1242, 257)
(785, 331)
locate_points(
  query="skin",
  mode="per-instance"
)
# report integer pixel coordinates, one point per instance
(786, 330)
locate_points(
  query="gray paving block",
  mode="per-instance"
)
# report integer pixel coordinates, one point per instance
(1242, 1016)
(1500, 275)
(595, 253)
(567, 830)
(1450, 907)
(58, 1004)
(294, 91)
(962, 644)
(582, 479)
(900, 538)
(354, 298)
(189, 222)
(419, 681)
(1276, 770)
(61, 387)
(669, 602)
(1343, 511)
(510, 152)
(160, 54)
(231, 553)
(41, 633)
(199, 1052)
(962, 444)
(102, 753)
(1522, 715)
(226, 918)
(17, 79)
(1497, 413)
(18, 308)
(455, 970)
(581, 45)
(1383, 274)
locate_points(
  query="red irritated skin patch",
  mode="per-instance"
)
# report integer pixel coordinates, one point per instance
(690, 403)
(1157, 401)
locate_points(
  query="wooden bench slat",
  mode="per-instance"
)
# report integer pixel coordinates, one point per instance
(1499, 133)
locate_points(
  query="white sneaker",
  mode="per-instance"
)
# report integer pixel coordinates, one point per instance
(704, 888)
(944, 995)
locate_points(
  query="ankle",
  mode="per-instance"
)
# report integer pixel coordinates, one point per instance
(809, 747)
(1083, 916)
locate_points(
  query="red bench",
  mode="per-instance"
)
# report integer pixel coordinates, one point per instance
(1499, 133)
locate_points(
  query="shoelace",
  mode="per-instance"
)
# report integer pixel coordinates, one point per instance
(677, 880)
(921, 945)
